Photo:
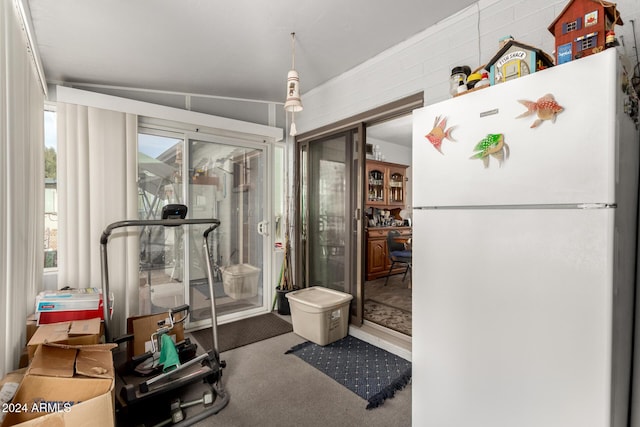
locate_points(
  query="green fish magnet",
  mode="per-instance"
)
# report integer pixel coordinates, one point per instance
(491, 145)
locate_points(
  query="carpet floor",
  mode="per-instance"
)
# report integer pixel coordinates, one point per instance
(243, 332)
(396, 293)
(370, 372)
(389, 305)
(271, 389)
(391, 317)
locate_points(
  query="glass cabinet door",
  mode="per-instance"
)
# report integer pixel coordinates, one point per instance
(396, 188)
(376, 190)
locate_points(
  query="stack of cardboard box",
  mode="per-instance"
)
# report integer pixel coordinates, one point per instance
(67, 377)
(69, 380)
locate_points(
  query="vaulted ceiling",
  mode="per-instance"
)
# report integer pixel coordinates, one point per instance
(231, 48)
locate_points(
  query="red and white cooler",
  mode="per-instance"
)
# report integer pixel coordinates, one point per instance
(72, 304)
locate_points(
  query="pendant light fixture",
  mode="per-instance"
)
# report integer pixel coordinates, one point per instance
(293, 104)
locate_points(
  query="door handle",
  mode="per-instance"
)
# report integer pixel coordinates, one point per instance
(263, 228)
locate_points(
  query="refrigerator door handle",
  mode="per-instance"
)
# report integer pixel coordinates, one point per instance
(597, 206)
(549, 206)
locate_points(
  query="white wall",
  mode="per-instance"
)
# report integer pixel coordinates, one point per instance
(424, 62)
(393, 153)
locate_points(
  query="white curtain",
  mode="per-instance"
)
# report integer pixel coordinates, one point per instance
(21, 186)
(97, 185)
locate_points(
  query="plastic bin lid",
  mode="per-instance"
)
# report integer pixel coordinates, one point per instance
(319, 297)
(240, 269)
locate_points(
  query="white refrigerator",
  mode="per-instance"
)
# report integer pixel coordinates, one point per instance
(524, 265)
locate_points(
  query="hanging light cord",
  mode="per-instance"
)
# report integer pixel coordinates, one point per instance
(293, 51)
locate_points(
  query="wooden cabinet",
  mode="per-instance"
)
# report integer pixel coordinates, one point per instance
(377, 259)
(378, 262)
(386, 184)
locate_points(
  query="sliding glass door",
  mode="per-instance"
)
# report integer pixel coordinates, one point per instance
(329, 219)
(216, 178)
(160, 183)
(228, 182)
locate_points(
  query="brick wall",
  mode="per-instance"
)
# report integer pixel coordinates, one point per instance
(424, 62)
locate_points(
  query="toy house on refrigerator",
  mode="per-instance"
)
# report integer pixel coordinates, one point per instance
(515, 59)
(583, 28)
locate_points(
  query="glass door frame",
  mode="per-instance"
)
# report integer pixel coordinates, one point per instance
(354, 204)
(267, 238)
(357, 123)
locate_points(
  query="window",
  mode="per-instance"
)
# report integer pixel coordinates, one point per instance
(50, 190)
(586, 42)
(159, 184)
(159, 172)
(572, 26)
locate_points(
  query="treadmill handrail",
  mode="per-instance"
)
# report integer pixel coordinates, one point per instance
(169, 222)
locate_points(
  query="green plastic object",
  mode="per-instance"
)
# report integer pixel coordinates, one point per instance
(169, 358)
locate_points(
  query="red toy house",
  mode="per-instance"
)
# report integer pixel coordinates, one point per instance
(582, 28)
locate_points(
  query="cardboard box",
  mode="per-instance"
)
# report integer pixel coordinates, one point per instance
(66, 386)
(24, 358)
(13, 377)
(143, 326)
(31, 326)
(8, 387)
(78, 332)
(73, 304)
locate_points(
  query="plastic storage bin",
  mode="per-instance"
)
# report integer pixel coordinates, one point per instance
(240, 281)
(67, 305)
(319, 314)
(167, 295)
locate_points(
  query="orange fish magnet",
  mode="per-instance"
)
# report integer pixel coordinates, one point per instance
(439, 133)
(546, 108)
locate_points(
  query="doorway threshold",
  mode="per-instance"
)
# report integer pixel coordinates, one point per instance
(387, 339)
